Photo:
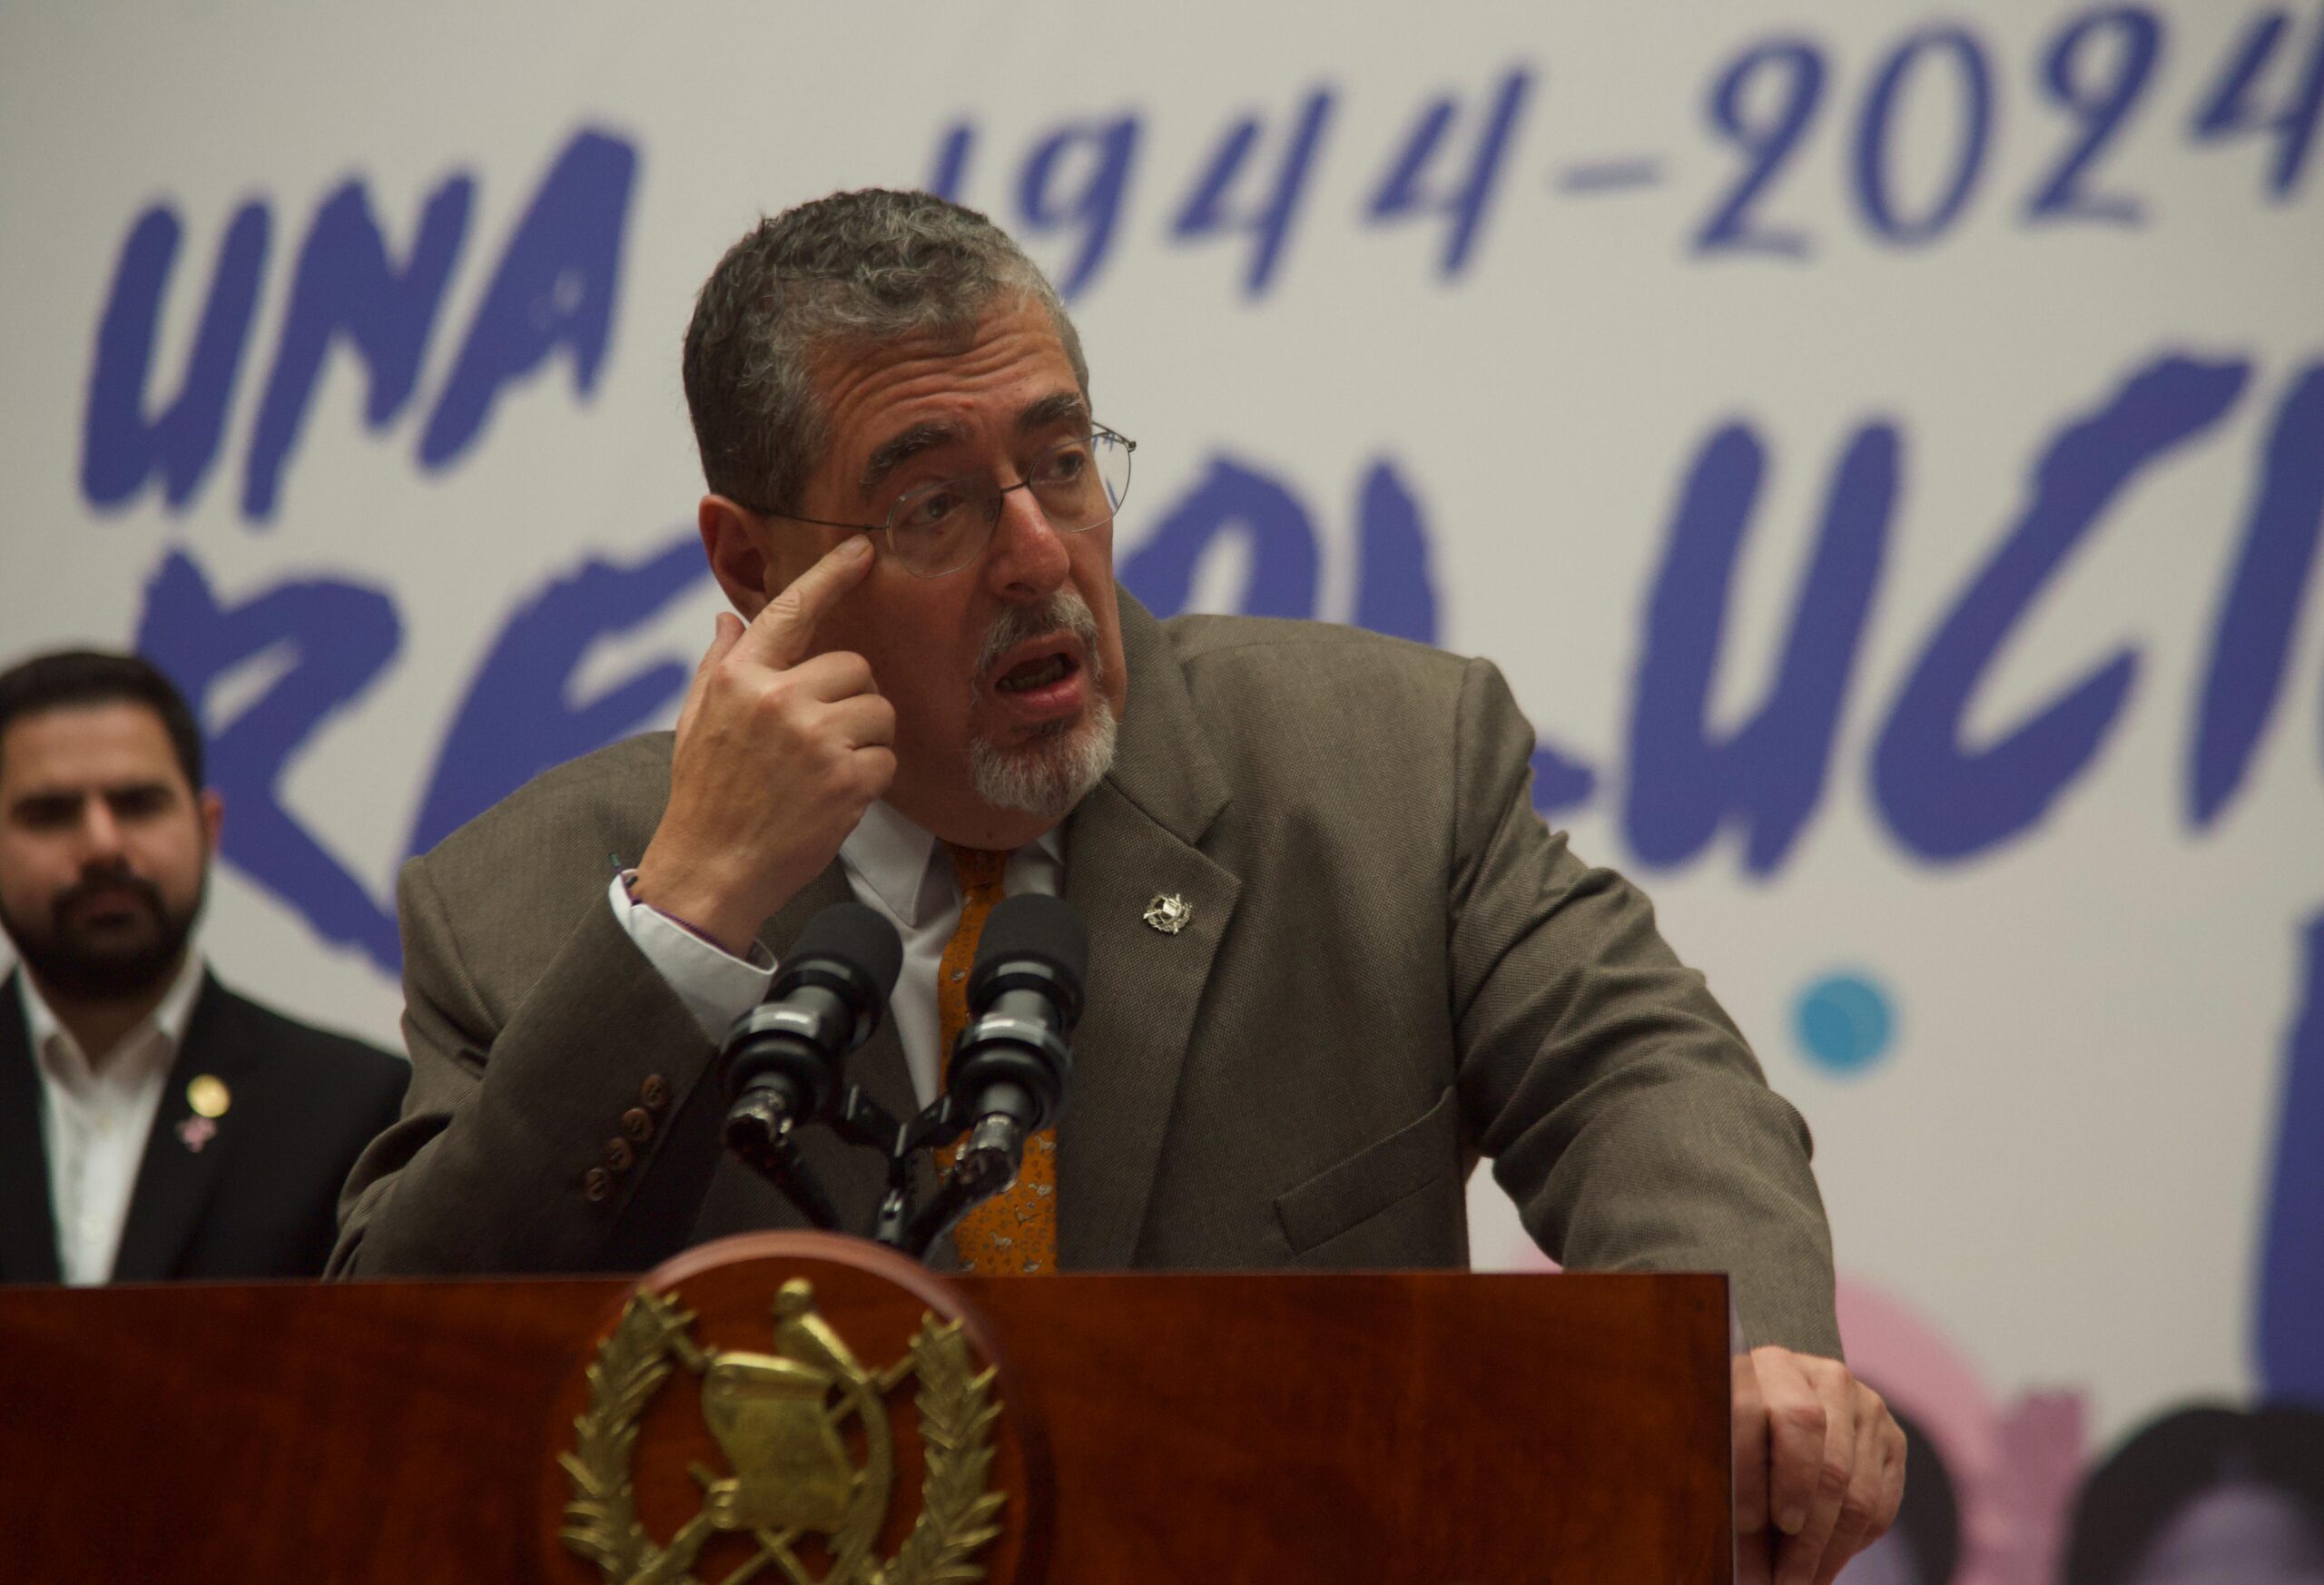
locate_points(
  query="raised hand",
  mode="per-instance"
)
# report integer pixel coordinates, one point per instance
(777, 757)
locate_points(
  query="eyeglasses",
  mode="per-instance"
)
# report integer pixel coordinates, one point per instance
(939, 529)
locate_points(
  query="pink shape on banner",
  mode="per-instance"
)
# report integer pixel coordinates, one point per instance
(2014, 1471)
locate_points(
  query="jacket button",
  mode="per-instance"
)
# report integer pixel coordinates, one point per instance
(655, 1092)
(596, 1185)
(638, 1123)
(619, 1156)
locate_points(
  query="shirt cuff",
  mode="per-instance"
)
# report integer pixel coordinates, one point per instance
(716, 987)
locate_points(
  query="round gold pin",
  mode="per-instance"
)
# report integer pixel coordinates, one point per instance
(207, 1095)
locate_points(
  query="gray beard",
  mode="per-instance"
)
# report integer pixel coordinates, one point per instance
(1055, 770)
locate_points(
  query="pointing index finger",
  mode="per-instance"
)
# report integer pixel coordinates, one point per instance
(780, 634)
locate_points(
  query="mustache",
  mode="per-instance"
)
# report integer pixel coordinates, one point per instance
(1062, 610)
(114, 878)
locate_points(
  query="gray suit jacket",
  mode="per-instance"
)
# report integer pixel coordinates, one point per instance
(1391, 967)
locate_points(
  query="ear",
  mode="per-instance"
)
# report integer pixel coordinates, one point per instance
(735, 542)
(213, 815)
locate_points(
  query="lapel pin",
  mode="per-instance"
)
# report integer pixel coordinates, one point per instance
(1169, 913)
(194, 1133)
(207, 1095)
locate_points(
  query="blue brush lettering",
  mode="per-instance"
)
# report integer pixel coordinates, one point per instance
(1230, 499)
(1945, 801)
(1406, 192)
(1768, 775)
(519, 717)
(1560, 781)
(950, 176)
(1767, 126)
(122, 443)
(555, 287)
(1396, 591)
(2252, 641)
(1206, 212)
(2288, 1341)
(345, 286)
(1094, 207)
(1876, 124)
(340, 636)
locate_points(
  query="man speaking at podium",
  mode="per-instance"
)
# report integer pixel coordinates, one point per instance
(1335, 954)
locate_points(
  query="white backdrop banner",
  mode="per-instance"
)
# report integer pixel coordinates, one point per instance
(1883, 445)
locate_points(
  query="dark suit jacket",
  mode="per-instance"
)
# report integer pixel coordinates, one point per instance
(258, 1200)
(1391, 967)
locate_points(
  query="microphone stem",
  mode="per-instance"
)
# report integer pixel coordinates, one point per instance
(773, 1153)
(987, 1165)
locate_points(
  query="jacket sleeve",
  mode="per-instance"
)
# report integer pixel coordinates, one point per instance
(1623, 1110)
(504, 1158)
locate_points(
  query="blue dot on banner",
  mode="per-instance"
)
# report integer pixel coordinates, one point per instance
(1844, 1023)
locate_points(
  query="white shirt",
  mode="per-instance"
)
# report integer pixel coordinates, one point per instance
(894, 867)
(93, 1119)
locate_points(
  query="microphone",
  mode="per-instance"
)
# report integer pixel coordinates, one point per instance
(1010, 1067)
(782, 1059)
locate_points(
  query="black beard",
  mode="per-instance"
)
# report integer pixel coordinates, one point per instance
(64, 961)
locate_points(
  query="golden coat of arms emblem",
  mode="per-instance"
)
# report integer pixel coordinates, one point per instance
(806, 1435)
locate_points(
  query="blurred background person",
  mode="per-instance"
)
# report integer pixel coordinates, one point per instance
(153, 1124)
(2206, 1496)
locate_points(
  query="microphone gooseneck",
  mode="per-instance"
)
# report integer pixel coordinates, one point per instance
(783, 1065)
(1011, 1068)
(781, 1060)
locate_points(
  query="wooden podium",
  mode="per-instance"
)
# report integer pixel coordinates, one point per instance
(1435, 1428)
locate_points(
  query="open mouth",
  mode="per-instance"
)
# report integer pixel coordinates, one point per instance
(1041, 671)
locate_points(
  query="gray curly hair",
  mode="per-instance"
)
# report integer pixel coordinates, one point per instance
(852, 269)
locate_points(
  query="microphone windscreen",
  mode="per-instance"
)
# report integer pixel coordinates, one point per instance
(1042, 927)
(856, 936)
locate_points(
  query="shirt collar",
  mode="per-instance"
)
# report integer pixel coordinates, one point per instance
(908, 867)
(148, 1047)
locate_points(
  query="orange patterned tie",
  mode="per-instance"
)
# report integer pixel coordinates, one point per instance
(1017, 1230)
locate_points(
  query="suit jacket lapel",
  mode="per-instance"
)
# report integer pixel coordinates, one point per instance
(1131, 841)
(174, 1178)
(27, 1218)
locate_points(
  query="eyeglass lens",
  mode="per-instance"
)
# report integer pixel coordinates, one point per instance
(1078, 485)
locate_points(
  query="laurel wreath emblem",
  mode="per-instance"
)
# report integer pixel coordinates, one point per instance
(958, 1411)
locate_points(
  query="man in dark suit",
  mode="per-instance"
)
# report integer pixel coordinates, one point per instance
(1335, 954)
(153, 1124)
